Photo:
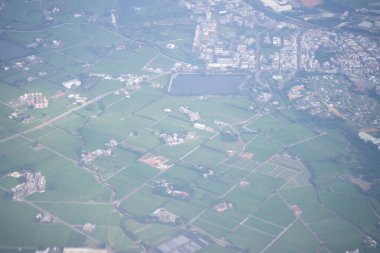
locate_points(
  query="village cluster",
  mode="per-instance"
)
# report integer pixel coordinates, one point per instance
(34, 182)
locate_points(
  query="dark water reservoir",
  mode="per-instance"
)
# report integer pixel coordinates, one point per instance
(205, 84)
(10, 50)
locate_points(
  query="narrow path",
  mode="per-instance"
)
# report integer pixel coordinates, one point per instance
(139, 188)
(64, 114)
(306, 140)
(279, 236)
(266, 221)
(187, 154)
(373, 209)
(316, 237)
(56, 218)
(71, 202)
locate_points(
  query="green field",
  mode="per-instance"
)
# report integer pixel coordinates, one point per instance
(205, 157)
(143, 203)
(161, 62)
(297, 239)
(20, 230)
(215, 108)
(119, 66)
(98, 214)
(131, 177)
(262, 148)
(250, 238)
(269, 212)
(281, 129)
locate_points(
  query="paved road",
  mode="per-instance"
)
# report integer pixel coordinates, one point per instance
(279, 236)
(52, 120)
(306, 140)
(56, 218)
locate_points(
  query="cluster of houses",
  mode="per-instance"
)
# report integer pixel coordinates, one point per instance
(203, 127)
(370, 243)
(193, 116)
(217, 52)
(20, 116)
(78, 98)
(132, 81)
(206, 172)
(296, 92)
(176, 139)
(164, 216)
(171, 190)
(88, 227)
(34, 182)
(35, 100)
(43, 218)
(25, 64)
(88, 157)
(71, 83)
(222, 207)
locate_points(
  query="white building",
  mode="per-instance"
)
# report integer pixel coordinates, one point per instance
(367, 137)
(277, 5)
(113, 18)
(71, 83)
